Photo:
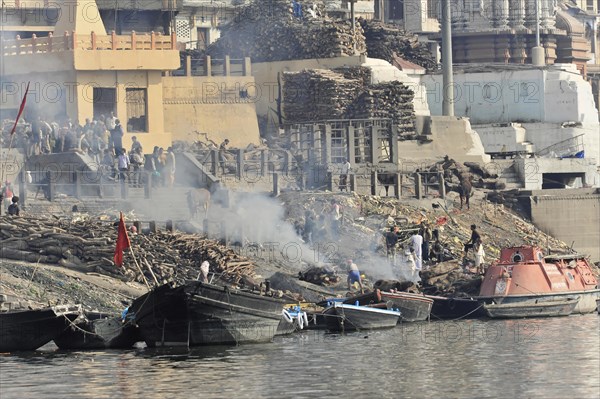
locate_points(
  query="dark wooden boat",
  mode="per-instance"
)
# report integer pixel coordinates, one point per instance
(538, 308)
(26, 330)
(197, 313)
(346, 317)
(293, 319)
(414, 307)
(455, 308)
(99, 331)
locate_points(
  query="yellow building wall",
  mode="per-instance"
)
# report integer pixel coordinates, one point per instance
(150, 80)
(211, 105)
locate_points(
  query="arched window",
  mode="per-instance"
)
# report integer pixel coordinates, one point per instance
(517, 257)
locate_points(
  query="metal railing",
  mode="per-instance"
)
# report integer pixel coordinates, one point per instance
(569, 148)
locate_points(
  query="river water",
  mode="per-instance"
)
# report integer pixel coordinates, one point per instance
(536, 358)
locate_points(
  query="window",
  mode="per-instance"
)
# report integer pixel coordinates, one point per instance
(137, 105)
(432, 8)
(396, 9)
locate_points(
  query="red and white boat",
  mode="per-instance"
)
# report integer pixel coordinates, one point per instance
(525, 283)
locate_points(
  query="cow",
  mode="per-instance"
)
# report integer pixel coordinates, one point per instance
(465, 189)
(199, 197)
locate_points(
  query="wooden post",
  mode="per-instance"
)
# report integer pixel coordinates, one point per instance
(395, 146)
(152, 40)
(374, 145)
(276, 191)
(74, 40)
(351, 148)
(240, 163)
(34, 43)
(227, 66)
(51, 187)
(66, 40)
(22, 188)
(173, 41)
(263, 162)
(214, 154)
(208, 65)
(374, 183)
(247, 66)
(169, 226)
(93, 34)
(418, 186)
(124, 189)
(77, 181)
(398, 186)
(113, 40)
(152, 227)
(133, 40)
(138, 226)
(352, 182)
(188, 65)
(50, 40)
(148, 185)
(441, 185)
(330, 181)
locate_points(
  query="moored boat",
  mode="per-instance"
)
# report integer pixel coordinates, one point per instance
(455, 308)
(551, 308)
(293, 319)
(99, 331)
(346, 317)
(524, 276)
(197, 313)
(26, 330)
(414, 307)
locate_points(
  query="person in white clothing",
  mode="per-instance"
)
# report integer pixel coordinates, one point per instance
(416, 241)
(479, 258)
(204, 268)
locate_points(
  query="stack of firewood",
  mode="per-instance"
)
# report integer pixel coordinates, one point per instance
(270, 30)
(346, 93)
(318, 94)
(390, 100)
(89, 246)
(384, 41)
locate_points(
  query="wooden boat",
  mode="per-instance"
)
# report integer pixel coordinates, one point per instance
(524, 275)
(550, 308)
(293, 319)
(345, 317)
(99, 331)
(455, 308)
(197, 313)
(414, 307)
(26, 330)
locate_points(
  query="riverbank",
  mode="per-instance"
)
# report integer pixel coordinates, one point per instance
(264, 243)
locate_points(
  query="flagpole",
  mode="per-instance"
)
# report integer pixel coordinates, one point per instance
(140, 269)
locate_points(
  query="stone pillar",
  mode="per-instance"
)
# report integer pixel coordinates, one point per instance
(276, 184)
(374, 183)
(530, 15)
(418, 186)
(548, 21)
(501, 14)
(152, 227)
(169, 226)
(517, 18)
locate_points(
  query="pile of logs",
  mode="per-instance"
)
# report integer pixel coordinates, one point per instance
(448, 278)
(317, 94)
(89, 246)
(346, 93)
(390, 100)
(386, 41)
(269, 30)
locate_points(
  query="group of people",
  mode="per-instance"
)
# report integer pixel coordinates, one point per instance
(41, 135)
(326, 225)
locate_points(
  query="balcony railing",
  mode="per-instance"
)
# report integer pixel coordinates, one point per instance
(91, 42)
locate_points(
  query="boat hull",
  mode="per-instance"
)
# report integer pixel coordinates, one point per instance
(28, 330)
(99, 332)
(413, 307)
(586, 303)
(344, 317)
(456, 308)
(203, 314)
(552, 308)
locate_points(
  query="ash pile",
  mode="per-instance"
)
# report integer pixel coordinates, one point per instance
(346, 93)
(277, 30)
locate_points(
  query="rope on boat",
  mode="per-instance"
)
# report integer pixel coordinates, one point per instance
(461, 317)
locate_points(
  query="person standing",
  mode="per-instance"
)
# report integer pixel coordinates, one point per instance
(204, 269)
(335, 219)
(391, 239)
(137, 163)
(475, 237)
(345, 172)
(427, 235)
(123, 164)
(354, 276)
(170, 167)
(416, 242)
(135, 145)
(223, 154)
(479, 257)
(117, 136)
(111, 122)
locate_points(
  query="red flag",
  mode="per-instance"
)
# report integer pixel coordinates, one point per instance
(122, 242)
(20, 110)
